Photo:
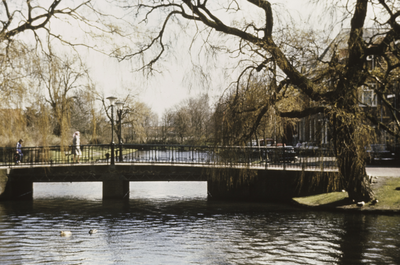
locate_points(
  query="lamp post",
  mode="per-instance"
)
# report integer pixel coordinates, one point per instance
(120, 105)
(395, 116)
(112, 101)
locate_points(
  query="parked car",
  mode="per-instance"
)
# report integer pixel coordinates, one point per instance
(378, 153)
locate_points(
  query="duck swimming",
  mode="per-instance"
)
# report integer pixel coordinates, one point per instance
(65, 233)
(92, 231)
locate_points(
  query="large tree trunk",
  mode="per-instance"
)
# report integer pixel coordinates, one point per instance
(348, 139)
(351, 163)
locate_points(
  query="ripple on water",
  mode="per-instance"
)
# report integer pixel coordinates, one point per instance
(178, 230)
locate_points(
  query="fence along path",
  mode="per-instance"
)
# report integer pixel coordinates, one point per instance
(230, 156)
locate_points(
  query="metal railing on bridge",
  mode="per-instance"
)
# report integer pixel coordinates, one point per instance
(232, 156)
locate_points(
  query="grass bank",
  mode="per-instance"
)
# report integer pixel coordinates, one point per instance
(387, 193)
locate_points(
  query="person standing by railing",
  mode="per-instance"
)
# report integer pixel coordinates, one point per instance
(76, 148)
(18, 152)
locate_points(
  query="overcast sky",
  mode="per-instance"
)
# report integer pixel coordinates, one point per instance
(167, 90)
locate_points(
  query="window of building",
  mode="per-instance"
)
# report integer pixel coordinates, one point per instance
(367, 96)
(370, 62)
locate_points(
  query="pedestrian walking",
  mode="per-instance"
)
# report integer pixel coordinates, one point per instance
(18, 152)
(76, 146)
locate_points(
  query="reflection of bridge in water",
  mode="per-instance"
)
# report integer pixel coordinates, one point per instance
(158, 163)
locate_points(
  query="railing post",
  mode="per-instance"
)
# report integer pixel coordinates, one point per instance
(112, 154)
(120, 153)
(284, 156)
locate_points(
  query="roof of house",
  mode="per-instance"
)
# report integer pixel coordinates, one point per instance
(371, 36)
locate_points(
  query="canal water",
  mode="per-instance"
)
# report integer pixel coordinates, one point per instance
(173, 223)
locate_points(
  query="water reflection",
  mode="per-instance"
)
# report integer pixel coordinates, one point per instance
(175, 224)
(370, 238)
(354, 237)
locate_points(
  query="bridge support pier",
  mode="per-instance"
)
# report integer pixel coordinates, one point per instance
(116, 189)
(15, 190)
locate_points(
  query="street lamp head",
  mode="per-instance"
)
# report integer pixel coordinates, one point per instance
(119, 105)
(112, 100)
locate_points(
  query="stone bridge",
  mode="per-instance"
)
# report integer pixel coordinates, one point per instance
(227, 183)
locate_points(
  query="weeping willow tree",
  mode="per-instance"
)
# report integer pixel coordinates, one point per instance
(12, 127)
(30, 30)
(265, 40)
(14, 60)
(249, 112)
(234, 116)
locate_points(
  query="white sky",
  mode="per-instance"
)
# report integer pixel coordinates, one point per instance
(178, 82)
(167, 90)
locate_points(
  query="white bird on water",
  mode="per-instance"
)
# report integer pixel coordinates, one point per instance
(65, 233)
(92, 231)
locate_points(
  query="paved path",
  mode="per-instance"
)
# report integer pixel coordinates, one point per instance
(383, 171)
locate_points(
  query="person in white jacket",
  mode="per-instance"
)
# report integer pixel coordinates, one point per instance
(76, 146)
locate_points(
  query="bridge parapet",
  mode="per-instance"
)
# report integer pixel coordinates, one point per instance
(230, 156)
(85, 173)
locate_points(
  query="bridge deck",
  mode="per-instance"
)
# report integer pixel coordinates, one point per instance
(131, 172)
